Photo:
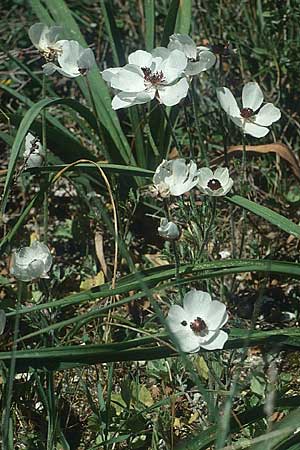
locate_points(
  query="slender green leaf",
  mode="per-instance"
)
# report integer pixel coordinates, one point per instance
(113, 33)
(266, 213)
(149, 12)
(184, 17)
(170, 22)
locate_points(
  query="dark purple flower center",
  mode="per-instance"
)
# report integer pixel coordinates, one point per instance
(246, 113)
(153, 77)
(214, 184)
(198, 326)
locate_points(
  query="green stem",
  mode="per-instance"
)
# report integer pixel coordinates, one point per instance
(244, 189)
(12, 370)
(211, 222)
(192, 155)
(195, 111)
(178, 146)
(44, 147)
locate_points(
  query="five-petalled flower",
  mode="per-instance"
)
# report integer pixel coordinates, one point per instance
(29, 263)
(199, 58)
(215, 183)
(198, 323)
(158, 74)
(73, 60)
(175, 177)
(251, 118)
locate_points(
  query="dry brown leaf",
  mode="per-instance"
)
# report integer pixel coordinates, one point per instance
(280, 149)
(100, 253)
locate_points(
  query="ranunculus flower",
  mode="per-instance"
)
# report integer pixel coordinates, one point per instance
(73, 60)
(33, 154)
(168, 230)
(199, 58)
(214, 183)
(175, 177)
(198, 323)
(45, 39)
(252, 118)
(158, 74)
(29, 263)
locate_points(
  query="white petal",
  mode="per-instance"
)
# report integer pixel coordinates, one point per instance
(222, 174)
(255, 130)
(205, 61)
(36, 268)
(252, 96)
(108, 74)
(161, 53)
(53, 33)
(184, 43)
(187, 340)
(196, 304)
(49, 68)
(205, 174)
(216, 315)
(217, 342)
(174, 65)
(228, 102)
(126, 99)
(226, 188)
(87, 59)
(35, 32)
(267, 115)
(130, 78)
(171, 95)
(34, 160)
(176, 316)
(140, 58)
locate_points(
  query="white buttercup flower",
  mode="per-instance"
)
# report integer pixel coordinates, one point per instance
(168, 230)
(214, 183)
(199, 58)
(45, 39)
(33, 154)
(252, 118)
(175, 177)
(198, 324)
(73, 60)
(158, 74)
(29, 263)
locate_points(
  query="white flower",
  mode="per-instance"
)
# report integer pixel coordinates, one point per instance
(33, 154)
(214, 183)
(251, 120)
(224, 254)
(199, 58)
(45, 39)
(158, 74)
(175, 177)
(198, 323)
(29, 263)
(168, 230)
(73, 60)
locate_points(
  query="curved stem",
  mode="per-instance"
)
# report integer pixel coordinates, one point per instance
(44, 149)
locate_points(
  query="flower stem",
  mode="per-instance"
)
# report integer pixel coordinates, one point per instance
(178, 146)
(44, 150)
(192, 155)
(195, 111)
(12, 370)
(211, 222)
(244, 189)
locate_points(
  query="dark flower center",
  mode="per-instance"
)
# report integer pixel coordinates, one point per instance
(153, 77)
(199, 327)
(246, 113)
(214, 184)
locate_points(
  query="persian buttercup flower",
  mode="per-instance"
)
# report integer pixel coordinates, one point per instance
(175, 177)
(199, 58)
(158, 74)
(198, 323)
(73, 60)
(252, 118)
(45, 39)
(33, 154)
(168, 230)
(214, 183)
(29, 263)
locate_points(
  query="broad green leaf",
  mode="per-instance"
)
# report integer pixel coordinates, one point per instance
(184, 16)
(266, 213)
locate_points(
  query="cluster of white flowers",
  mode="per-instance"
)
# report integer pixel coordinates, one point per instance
(73, 60)
(176, 177)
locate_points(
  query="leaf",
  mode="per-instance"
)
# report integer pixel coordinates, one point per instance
(170, 22)
(280, 149)
(184, 16)
(149, 12)
(266, 213)
(92, 282)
